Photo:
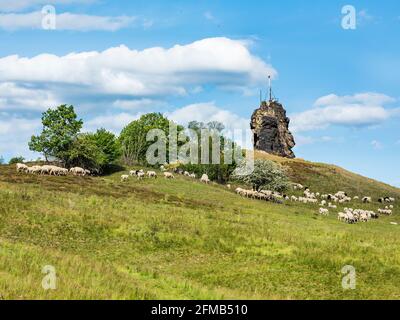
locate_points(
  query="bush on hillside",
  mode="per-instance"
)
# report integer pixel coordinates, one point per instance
(15, 160)
(266, 175)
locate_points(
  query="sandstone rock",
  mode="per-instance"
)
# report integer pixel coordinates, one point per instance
(270, 127)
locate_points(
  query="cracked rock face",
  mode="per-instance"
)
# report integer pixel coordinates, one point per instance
(270, 127)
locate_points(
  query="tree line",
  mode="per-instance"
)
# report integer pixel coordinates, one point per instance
(63, 141)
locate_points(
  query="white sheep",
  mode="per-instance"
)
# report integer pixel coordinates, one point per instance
(34, 169)
(323, 211)
(168, 175)
(367, 200)
(77, 171)
(205, 179)
(22, 167)
(124, 178)
(385, 211)
(152, 174)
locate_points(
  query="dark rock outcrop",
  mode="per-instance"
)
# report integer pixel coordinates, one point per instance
(270, 127)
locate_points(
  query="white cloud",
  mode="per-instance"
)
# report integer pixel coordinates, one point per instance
(13, 97)
(236, 127)
(141, 74)
(111, 122)
(208, 15)
(377, 145)
(207, 112)
(18, 5)
(65, 21)
(364, 17)
(306, 140)
(15, 132)
(364, 109)
(140, 104)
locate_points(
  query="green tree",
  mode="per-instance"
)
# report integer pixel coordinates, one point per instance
(15, 160)
(85, 153)
(60, 129)
(108, 143)
(133, 136)
(267, 174)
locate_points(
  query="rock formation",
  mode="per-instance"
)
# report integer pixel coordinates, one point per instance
(270, 127)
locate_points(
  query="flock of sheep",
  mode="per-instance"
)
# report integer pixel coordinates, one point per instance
(350, 215)
(52, 170)
(261, 195)
(140, 174)
(325, 201)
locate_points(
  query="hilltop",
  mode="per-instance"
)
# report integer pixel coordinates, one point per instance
(180, 239)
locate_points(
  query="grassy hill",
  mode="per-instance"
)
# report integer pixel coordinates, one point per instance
(159, 239)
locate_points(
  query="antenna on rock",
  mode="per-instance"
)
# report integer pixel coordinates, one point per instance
(270, 88)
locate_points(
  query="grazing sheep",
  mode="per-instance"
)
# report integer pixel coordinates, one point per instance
(34, 169)
(124, 178)
(323, 203)
(342, 216)
(168, 175)
(205, 179)
(228, 186)
(152, 174)
(22, 167)
(297, 186)
(367, 200)
(77, 171)
(193, 176)
(262, 195)
(385, 211)
(140, 175)
(323, 211)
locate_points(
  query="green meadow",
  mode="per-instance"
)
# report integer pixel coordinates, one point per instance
(180, 239)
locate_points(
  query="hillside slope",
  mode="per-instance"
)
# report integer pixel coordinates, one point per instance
(161, 239)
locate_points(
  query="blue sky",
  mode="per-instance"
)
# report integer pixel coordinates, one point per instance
(207, 60)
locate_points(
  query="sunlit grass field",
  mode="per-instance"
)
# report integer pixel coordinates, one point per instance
(180, 239)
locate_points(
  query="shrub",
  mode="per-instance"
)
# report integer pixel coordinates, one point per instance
(267, 174)
(15, 160)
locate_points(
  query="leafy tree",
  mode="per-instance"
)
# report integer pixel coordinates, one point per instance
(133, 136)
(15, 160)
(108, 143)
(60, 128)
(85, 153)
(267, 174)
